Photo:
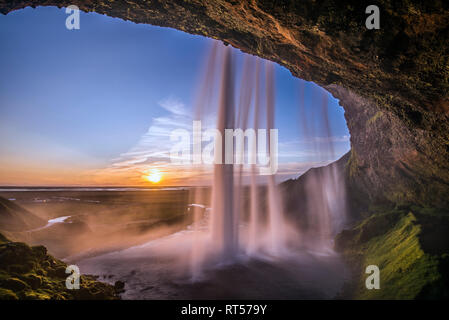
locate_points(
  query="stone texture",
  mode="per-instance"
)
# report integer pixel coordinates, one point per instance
(389, 161)
(392, 82)
(30, 273)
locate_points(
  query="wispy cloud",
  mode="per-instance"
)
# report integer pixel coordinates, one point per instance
(310, 149)
(316, 140)
(174, 106)
(153, 148)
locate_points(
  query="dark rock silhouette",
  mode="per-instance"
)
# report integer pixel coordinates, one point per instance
(15, 218)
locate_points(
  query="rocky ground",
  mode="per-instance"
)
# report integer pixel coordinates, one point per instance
(31, 273)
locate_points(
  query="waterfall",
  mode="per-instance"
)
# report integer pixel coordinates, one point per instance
(325, 195)
(223, 229)
(247, 211)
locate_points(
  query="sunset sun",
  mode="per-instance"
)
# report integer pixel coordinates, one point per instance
(154, 176)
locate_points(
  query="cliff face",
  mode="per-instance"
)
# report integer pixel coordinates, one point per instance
(389, 161)
(392, 82)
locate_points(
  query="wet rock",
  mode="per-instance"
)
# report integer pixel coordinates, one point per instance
(6, 294)
(59, 272)
(119, 286)
(13, 284)
(39, 251)
(34, 281)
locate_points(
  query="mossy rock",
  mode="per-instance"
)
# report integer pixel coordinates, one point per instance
(13, 284)
(35, 295)
(19, 268)
(58, 271)
(39, 251)
(33, 280)
(6, 294)
(30, 273)
(396, 242)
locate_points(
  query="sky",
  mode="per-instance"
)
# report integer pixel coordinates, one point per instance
(96, 106)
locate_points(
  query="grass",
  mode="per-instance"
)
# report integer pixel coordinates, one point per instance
(30, 273)
(396, 242)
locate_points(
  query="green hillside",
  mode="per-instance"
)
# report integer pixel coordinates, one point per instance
(411, 249)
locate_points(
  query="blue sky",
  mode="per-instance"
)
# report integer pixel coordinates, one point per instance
(77, 101)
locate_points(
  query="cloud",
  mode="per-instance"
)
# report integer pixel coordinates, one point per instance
(152, 150)
(316, 140)
(153, 147)
(174, 106)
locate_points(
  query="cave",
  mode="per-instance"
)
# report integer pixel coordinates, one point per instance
(392, 82)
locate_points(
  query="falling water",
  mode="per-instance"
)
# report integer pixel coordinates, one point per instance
(275, 211)
(224, 232)
(246, 224)
(254, 219)
(247, 215)
(325, 198)
(239, 223)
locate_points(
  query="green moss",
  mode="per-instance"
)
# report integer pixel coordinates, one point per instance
(6, 294)
(351, 165)
(403, 264)
(393, 241)
(36, 295)
(33, 280)
(30, 273)
(13, 284)
(374, 118)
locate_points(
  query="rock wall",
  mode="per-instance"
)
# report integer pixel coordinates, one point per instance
(392, 82)
(391, 162)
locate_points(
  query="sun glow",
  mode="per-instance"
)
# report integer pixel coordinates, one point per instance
(154, 176)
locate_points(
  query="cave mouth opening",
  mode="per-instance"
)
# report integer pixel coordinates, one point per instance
(99, 105)
(393, 106)
(98, 92)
